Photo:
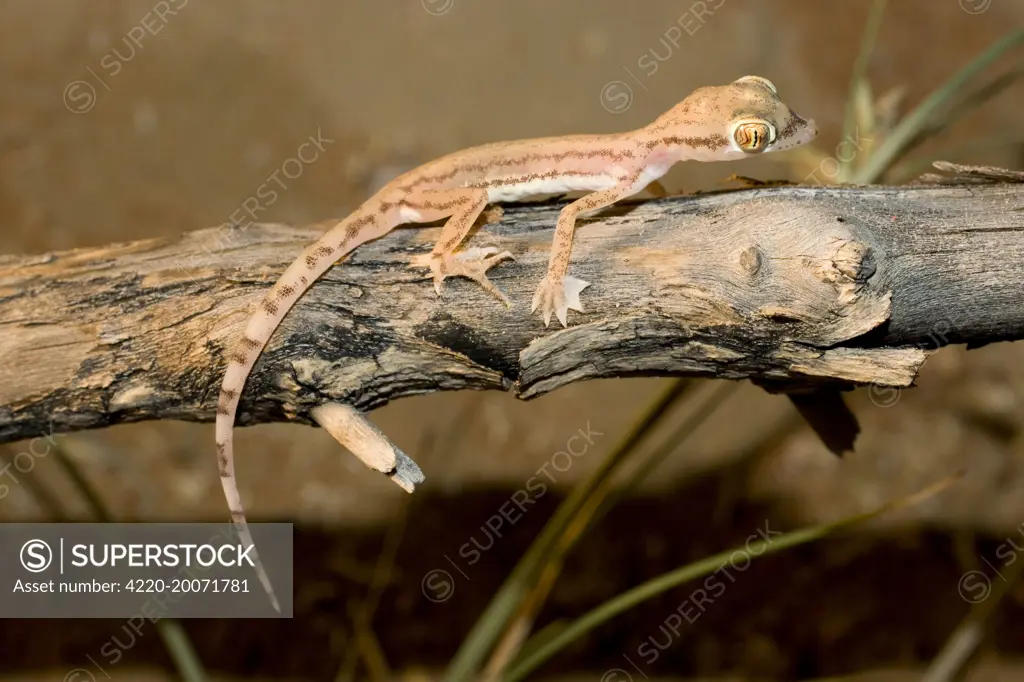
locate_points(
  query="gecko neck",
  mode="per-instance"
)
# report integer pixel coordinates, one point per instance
(674, 142)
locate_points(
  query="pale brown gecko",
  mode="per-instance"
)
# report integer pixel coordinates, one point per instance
(715, 123)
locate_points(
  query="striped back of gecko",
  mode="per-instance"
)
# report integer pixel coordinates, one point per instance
(362, 226)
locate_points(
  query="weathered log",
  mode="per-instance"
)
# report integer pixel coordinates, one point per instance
(796, 288)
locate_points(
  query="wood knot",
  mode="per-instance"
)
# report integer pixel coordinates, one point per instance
(855, 261)
(851, 266)
(751, 260)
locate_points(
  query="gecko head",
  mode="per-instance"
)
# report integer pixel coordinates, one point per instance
(744, 118)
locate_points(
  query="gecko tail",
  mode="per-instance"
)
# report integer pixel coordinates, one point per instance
(225, 460)
(360, 227)
(245, 536)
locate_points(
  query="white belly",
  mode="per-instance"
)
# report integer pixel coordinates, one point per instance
(409, 215)
(521, 190)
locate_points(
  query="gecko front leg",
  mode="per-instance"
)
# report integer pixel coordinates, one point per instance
(464, 206)
(558, 291)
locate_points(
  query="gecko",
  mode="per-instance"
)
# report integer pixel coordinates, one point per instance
(715, 123)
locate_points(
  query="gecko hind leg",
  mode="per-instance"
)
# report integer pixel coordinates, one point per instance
(444, 261)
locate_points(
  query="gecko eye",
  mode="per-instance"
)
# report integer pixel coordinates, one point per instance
(753, 135)
(758, 79)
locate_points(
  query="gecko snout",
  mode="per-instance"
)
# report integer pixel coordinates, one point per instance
(798, 131)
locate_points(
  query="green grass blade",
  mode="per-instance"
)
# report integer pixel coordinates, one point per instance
(717, 395)
(968, 103)
(858, 81)
(190, 668)
(652, 588)
(503, 606)
(910, 128)
(601, 501)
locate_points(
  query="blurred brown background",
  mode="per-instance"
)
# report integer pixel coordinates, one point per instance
(174, 131)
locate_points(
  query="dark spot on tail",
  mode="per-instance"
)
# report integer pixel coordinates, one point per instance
(285, 291)
(228, 394)
(239, 358)
(352, 231)
(223, 409)
(270, 306)
(251, 344)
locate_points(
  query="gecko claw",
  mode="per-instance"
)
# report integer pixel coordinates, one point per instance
(472, 263)
(558, 296)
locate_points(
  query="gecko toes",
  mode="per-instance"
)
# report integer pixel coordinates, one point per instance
(573, 287)
(472, 263)
(557, 297)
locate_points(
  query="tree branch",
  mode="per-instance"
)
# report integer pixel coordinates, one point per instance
(795, 288)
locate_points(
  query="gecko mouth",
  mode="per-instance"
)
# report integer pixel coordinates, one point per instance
(798, 131)
(808, 126)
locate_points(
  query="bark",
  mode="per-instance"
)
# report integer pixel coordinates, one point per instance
(798, 289)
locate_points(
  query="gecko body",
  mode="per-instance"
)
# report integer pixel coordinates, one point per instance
(715, 123)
